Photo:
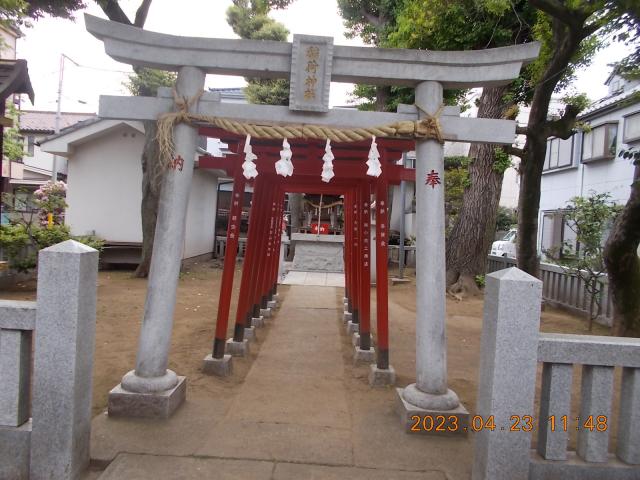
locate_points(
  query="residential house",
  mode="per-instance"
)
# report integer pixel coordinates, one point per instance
(588, 161)
(104, 178)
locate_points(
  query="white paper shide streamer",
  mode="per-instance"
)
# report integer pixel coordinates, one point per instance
(327, 166)
(284, 167)
(375, 167)
(249, 169)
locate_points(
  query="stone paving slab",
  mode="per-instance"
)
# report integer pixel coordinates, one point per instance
(153, 467)
(321, 279)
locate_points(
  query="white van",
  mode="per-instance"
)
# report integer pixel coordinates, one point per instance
(507, 246)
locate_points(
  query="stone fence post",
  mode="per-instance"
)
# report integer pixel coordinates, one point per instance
(63, 361)
(508, 364)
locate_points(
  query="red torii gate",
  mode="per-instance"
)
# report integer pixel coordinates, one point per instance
(259, 277)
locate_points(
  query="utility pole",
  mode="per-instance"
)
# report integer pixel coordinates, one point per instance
(54, 167)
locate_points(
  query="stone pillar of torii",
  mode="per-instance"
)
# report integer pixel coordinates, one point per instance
(310, 63)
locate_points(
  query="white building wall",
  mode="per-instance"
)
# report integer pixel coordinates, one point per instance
(611, 176)
(44, 160)
(7, 43)
(104, 193)
(200, 226)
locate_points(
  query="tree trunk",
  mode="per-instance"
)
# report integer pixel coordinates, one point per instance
(295, 207)
(382, 97)
(151, 183)
(473, 232)
(529, 204)
(623, 264)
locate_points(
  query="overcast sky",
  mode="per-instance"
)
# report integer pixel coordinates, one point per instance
(98, 74)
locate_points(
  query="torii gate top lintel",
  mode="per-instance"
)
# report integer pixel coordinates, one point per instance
(273, 59)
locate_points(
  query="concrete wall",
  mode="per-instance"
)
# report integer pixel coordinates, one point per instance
(104, 178)
(43, 160)
(200, 234)
(8, 43)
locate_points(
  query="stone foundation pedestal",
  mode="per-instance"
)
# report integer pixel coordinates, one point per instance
(250, 333)
(272, 304)
(347, 316)
(221, 367)
(257, 322)
(381, 377)
(355, 339)
(364, 356)
(238, 349)
(15, 444)
(265, 312)
(123, 403)
(352, 327)
(432, 421)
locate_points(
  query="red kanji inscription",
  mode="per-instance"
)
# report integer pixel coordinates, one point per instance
(433, 179)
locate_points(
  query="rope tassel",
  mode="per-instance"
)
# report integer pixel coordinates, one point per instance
(284, 167)
(375, 168)
(327, 166)
(249, 169)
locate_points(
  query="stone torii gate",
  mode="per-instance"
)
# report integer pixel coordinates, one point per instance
(310, 63)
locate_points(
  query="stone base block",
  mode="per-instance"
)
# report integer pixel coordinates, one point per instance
(364, 356)
(574, 468)
(15, 444)
(250, 333)
(265, 312)
(379, 377)
(355, 339)
(123, 403)
(345, 300)
(347, 316)
(399, 281)
(237, 349)
(416, 420)
(272, 304)
(352, 327)
(257, 322)
(221, 367)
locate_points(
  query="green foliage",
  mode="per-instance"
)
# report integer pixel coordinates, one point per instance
(589, 218)
(250, 19)
(456, 180)
(15, 13)
(12, 140)
(30, 231)
(146, 81)
(506, 218)
(480, 281)
(502, 160)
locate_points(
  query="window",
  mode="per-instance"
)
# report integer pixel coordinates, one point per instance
(631, 128)
(30, 145)
(559, 153)
(600, 142)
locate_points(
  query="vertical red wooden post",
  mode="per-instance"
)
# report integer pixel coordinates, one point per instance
(228, 270)
(365, 265)
(382, 282)
(348, 242)
(355, 257)
(276, 261)
(260, 259)
(248, 263)
(265, 277)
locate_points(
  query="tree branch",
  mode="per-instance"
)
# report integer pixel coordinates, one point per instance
(511, 150)
(556, 9)
(564, 126)
(141, 13)
(522, 130)
(112, 10)
(369, 17)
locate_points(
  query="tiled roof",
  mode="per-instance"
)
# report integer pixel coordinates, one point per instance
(14, 78)
(609, 101)
(45, 122)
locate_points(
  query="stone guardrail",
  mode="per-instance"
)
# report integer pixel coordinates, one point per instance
(44, 433)
(563, 289)
(511, 350)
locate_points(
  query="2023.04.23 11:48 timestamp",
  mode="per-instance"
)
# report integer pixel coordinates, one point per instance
(518, 423)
